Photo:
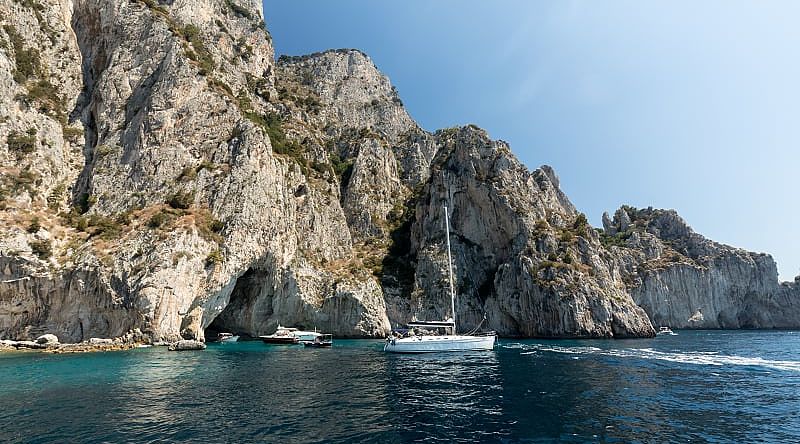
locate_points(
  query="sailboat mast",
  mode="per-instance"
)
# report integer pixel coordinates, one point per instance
(450, 269)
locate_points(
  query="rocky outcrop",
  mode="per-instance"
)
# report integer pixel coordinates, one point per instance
(187, 179)
(187, 345)
(684, 280)
(523, 257)
(163, 175)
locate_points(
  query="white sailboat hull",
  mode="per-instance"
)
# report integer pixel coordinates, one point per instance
(433, 344)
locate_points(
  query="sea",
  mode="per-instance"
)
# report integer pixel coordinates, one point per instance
(697, 386)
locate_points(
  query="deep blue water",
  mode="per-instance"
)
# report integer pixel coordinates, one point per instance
(701, 386)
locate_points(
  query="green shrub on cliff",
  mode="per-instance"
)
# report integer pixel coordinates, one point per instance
(215, 257)
(42, 248)
(159, 219)
(180, 200)
(20, 143)
(27, 60)
(618, 240)
(104, 227)
(34, 226)
(343, 168)
(201, 54)
(581, 223)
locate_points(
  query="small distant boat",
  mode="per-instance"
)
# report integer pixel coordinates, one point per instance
(666, 331)
(323, 340)
(227, 337)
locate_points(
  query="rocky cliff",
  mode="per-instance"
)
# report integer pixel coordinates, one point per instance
(684, 280)
(162, 172)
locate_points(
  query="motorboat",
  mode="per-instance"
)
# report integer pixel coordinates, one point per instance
(666, 331)
(448, 342)
(227, 337)
(307, 336)
(323, 340)
(282, 336)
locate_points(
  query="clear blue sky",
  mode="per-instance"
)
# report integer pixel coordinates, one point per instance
(687, 105)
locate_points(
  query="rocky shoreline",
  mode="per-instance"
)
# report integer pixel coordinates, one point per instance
(49, 343)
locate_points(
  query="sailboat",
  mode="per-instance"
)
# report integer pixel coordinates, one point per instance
(452, 342)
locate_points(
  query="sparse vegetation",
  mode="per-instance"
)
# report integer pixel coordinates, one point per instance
(159, 219)
(244, 49)
(34, 226)
(566, 236)
(20, 143)
(215, 257)
(103, 151)
(72, 134)
(181, 200)
(343, 168)
(42, 248)
(54, 199)
(200, 53)
(104, 227)
(581, 223)
(190, 173)
(24, 180)
(209, 227)
(259, 85)
(48, 101)
(239, 10)
(84, 202)
(221, 86)
(617, 240)
(27, 60)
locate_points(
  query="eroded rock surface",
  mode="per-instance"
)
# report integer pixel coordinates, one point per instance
(684, 280)
(163, 175)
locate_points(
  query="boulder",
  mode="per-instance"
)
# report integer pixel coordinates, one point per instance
(47, 339)
(187, 344)
(100, 341)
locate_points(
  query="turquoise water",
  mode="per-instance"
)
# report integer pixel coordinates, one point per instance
(702, 386)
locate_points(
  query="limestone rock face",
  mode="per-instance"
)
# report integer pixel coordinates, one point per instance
(162, 175)
(351, 90)
(522, 255)
(181, 182)
(684, 280)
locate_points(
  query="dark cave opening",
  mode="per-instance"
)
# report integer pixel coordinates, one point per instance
(248, 308)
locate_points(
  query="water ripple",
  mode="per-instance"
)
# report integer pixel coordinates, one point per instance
(699, 358)
(699, 386)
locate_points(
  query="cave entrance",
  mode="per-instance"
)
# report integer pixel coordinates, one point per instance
(248, 309)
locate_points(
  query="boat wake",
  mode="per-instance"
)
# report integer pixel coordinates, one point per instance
(697, 358)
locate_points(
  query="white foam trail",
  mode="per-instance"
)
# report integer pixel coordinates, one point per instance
(698, 358)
